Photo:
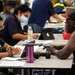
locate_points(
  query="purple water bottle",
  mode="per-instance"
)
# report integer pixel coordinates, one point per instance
(30, 53)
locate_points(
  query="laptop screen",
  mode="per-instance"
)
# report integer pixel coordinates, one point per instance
(46, 34)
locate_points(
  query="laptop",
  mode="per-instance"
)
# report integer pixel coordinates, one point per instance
(47, 34)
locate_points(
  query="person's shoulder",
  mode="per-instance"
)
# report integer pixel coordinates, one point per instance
(11, 16)
(73, 35)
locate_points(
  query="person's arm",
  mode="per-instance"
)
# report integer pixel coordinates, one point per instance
(13, 31)
(52, 12)
(66, 51)
(53, 1)
(19, 36)
(68, 2)
(23, 37)
(10, 50)
(4, 54)
(57, 18)
(3, 44)
(10, 53)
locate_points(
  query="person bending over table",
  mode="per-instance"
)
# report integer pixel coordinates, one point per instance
(42, 10)
(6, 50)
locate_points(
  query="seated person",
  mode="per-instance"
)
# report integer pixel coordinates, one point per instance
(63, 52)
(70, 25)
(12, 27)
(69, 48)
(7, 51)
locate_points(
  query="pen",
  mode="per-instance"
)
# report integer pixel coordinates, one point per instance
(21, 59)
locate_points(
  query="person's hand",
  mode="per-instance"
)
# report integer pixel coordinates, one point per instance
(50, 48)
(9, 48)
(15, 50)
(35, 36)
(60, 20)
(50, 21)
(25, 33)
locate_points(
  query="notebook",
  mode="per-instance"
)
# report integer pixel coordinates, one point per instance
(47, 34)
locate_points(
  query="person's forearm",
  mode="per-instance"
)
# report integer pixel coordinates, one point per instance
(5, 46)
(2, 42)
(20, 36)
(4, 54)
(61, 54)
(68, 2)
(55, 52)
(57, 17)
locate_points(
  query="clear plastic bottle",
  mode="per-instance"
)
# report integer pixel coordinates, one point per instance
(30, 33)
(30, 47)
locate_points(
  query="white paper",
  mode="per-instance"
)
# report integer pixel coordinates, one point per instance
(22, 49)
(10, 59)
(12, 63)
(43, 42)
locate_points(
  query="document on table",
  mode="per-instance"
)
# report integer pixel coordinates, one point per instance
(10, 59)
(11, 63)
(44, 42)
(22, 49)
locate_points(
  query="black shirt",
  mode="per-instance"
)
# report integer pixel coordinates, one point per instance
(2, 42)
(11, 27)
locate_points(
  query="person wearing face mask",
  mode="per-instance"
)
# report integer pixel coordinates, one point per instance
(12, 27)
(24, 21)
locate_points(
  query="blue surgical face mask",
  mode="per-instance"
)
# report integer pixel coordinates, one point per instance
(22, 18)
(23, 21)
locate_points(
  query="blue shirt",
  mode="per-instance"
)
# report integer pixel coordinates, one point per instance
(11, 27)
(41, 11)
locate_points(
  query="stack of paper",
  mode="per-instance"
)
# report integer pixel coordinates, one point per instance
(11, 63)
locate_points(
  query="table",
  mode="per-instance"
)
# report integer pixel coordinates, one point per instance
(56, 41)
(43, 63)
(58, 64)
(55, 24)
(53, 63)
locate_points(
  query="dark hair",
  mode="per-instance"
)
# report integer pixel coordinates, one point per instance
(23, 8)
(70, 25)
(1, 19)
(72, 15)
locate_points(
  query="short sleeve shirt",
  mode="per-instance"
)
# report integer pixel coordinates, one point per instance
(11, 27)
